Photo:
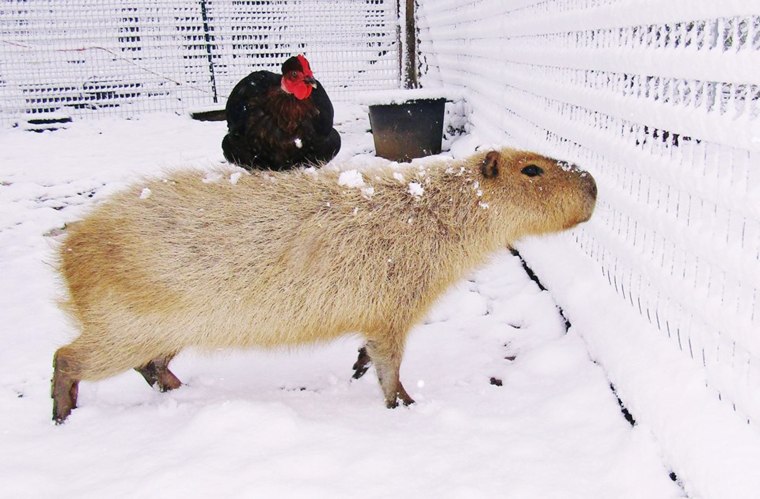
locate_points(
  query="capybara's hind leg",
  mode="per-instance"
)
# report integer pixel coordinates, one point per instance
(387, 360)
(362, 363)
(157, 373)
(65, 384)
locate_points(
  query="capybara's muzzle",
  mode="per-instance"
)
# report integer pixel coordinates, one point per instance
(589, 185)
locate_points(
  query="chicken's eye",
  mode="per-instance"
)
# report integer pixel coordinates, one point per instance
(294, 74)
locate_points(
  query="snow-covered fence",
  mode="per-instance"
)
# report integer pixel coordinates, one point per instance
(661, 101)
(66, 58)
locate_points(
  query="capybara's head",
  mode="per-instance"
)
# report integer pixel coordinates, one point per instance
(542, 194)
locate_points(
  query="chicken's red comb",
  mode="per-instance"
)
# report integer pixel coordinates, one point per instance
(305, 65)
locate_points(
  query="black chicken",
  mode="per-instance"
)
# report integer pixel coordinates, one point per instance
(280, 121)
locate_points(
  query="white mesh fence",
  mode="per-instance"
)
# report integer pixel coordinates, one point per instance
(661, 101)
(68, 58)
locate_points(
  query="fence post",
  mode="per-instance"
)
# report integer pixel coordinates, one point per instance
(207, 38)
(410, 47)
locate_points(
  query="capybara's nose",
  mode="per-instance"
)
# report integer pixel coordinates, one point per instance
(590, 185)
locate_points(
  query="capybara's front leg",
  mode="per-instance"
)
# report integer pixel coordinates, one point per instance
(156, 372)
(387, 360)
(65, 384)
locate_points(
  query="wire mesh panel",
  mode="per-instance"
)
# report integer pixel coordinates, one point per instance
(65, 58)
(661, 101)
(351, 45)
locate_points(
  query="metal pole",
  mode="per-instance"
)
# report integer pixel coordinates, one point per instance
(410, 48)
(207, 37)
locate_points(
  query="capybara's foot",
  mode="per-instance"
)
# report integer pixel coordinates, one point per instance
(64, 399)
(401, 396)
(64, 389)
(157, 373)
(362, 363)
(394, 403)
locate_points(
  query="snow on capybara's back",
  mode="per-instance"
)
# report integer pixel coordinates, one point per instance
(268, 259)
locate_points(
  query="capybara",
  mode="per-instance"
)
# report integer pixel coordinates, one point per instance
(272, 259)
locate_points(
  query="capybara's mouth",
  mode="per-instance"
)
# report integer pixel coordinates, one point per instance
(583, 218)
(574, 223)
(590, 185)
(586, 218)
(589, 212)
(592, 192)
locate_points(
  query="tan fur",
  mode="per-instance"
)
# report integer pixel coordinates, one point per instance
(293, 258)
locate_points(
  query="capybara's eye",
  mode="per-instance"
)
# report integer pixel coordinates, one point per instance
(532, 171)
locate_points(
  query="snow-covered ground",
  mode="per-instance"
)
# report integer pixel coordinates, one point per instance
(292, 424)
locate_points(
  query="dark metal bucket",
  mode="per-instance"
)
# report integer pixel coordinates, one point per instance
(413, 129)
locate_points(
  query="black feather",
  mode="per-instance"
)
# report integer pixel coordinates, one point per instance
(269, 128)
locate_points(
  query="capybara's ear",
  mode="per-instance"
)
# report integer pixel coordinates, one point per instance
(490, 166)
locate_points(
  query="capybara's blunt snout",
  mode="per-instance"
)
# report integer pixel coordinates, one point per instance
(589, 185)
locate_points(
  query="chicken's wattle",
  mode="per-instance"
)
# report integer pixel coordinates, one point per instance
(299, 88)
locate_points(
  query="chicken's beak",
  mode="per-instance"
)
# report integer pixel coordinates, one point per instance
(309, 80)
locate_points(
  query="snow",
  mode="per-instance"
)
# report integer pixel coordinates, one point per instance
(385, 97)
(714, 448)
(235, 177)
(415, 189)
(291, 423)
(351, 178)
